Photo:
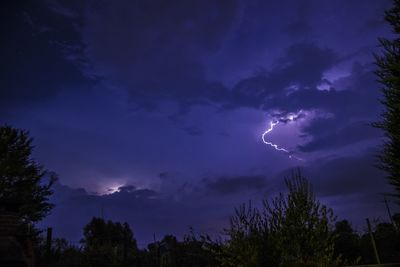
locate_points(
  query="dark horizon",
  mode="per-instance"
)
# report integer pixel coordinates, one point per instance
(160, 114)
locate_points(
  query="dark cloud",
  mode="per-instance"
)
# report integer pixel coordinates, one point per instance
(35, 47)
(299, 24)
(349, 175)
(299, 70)
(357, 90)
(335, 137)
(340, 176)
(159, 51)
(234, 185)
(148, 212)
(158, 71)
(128, 193)
(352, 186)
(127, 188)
(74, 208)
(193, 130)
(157, 48)
(304, 64)
(121, 50)
(349, 109)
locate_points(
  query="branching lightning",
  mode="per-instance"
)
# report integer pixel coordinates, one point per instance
(288, 118)
(271, 127)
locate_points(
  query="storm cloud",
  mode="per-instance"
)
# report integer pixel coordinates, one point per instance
(156, 109)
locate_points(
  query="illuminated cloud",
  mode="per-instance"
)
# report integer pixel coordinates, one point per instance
(288, 118)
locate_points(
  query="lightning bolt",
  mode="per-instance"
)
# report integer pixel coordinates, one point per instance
(271, 127)
(272, 124)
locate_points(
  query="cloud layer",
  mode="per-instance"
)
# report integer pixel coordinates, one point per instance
(117, 92)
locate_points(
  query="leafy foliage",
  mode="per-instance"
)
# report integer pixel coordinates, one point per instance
(22, 186)
(347, 243)
(389, 77)
(300, 227)
(248, 239)
(291, 230)
(192, 251)
(62, 254)
(108, 243)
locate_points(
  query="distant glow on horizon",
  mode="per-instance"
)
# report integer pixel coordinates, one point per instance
(285, 119)
(112, 189)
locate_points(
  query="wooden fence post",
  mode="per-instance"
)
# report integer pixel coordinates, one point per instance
(373, 242)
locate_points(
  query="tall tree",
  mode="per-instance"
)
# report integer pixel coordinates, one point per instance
(248, 239)
(347, 243)
(389, 77)
(108, 244)
(22, 180)
(293, 229)
(300, 227)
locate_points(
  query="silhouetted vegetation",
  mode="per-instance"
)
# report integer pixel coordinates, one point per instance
(24, 195)
(108, 244)
(291, 229)
(22, 186)
(389, 76)
(347, 243)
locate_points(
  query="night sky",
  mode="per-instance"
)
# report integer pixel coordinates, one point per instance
(152, 112)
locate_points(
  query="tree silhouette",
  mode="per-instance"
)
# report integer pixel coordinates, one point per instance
(347, 243)
(22, 186)
(108, 244)
(248, 239)
(300, 227)
(293, 229)
(387, 242)
(389, 77)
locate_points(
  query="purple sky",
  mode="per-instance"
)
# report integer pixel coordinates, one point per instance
(168, 101)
